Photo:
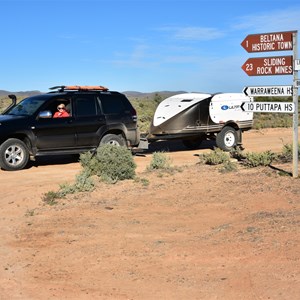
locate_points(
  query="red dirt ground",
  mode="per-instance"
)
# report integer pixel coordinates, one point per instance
(196, 233)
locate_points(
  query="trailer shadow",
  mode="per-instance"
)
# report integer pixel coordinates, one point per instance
(174, 146)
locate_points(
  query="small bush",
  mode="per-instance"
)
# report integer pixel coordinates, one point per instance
(287, 153)
(111, 163)
(144, 181)
(159, 161)
(238, 154)
(88, 162)
(216, 157)
(228, 166)
(50, 197)
(83, 183)
(259, 159)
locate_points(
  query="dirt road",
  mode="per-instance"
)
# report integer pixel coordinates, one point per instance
(194, 234)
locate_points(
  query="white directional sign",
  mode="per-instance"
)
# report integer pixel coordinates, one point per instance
(297, 64)
(271, 107)
(272, 91)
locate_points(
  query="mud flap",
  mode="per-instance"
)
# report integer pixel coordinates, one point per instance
(143, 144)
(239, 139)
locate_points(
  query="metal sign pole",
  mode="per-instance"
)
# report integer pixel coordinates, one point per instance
(295, 115)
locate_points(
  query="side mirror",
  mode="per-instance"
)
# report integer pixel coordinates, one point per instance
(46, 114)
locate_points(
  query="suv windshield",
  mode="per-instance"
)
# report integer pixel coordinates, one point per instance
(26, 107)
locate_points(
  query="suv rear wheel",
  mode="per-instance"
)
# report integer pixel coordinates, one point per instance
(113, 139)
(13, 155)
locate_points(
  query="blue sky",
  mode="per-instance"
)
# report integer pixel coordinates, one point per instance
(137, 45)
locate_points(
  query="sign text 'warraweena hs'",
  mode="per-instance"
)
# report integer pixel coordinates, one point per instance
(273, 91)
(271, 107)
(262, 66)
(276, 41)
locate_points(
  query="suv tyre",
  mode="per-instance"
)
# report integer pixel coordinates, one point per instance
(13, 155)
(113, 139)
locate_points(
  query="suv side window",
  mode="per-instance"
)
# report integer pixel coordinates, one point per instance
(53, 103)
(86, 105)
(112, 104)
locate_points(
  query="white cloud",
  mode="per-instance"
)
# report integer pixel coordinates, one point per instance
(138, 58)
(193, 33)
(270, 21)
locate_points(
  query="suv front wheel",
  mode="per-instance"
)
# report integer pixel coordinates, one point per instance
(13, 155)
(113, 139)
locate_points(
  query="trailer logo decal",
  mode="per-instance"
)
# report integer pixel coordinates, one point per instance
(224, 107)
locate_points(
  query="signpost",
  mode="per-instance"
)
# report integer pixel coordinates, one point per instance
(262, 66)
(270, 107)
(274, 41)
(295, 115)
(278, 65)
(272, 91)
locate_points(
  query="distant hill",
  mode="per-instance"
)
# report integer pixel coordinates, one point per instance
(140, 95)
(20, 94)
(132, 94)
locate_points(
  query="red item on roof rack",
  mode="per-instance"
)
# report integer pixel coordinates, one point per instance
(86, 87)
(80, 88)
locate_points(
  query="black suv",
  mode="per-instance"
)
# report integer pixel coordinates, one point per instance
(97, 116)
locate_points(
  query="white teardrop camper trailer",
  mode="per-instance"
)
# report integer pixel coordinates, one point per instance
(193, 117)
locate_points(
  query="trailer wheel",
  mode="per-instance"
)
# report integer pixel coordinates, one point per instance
(113, 139)
(14, 155)
(192, 143)
(227, 139)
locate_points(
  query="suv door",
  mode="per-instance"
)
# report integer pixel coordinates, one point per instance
(54, 133)
(88, 120)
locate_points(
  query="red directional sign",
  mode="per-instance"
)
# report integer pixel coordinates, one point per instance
(264, 66)
(276, 41)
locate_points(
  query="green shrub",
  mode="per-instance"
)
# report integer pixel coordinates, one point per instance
(253, 159)
(287, 153)
(111, 163)
(237, 153)
(159, 161)
(216, 157)
(272, 120)
(83, 183)
(144, 181)
(50, 197)
(145, 108)
(228, 166)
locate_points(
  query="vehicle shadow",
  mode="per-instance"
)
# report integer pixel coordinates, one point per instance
(53, 160)
(158, 146)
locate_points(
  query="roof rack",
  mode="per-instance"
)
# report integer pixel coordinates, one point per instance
(62, 88)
